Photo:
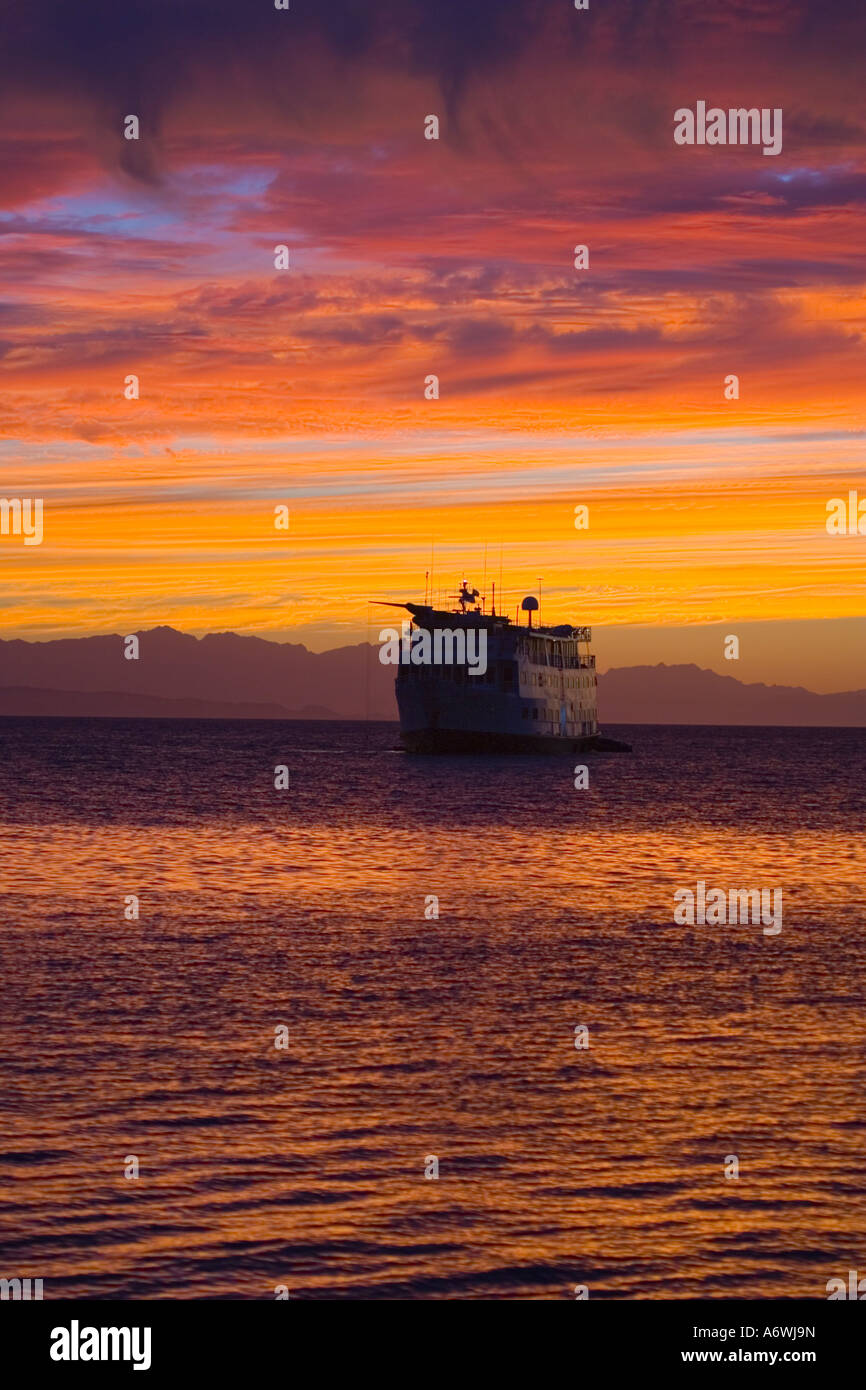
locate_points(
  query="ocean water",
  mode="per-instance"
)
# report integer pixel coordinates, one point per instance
(411, 1036)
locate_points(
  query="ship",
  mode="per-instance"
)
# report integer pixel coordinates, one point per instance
(536, 690)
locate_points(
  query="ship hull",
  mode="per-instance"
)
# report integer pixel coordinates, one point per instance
(438, 741)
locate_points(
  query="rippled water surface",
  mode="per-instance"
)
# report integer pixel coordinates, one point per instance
(410, 1036)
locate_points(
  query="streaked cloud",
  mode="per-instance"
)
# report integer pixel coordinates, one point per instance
(411, 257)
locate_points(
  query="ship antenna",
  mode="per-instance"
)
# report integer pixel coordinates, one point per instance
(501, 591)
(484, 580)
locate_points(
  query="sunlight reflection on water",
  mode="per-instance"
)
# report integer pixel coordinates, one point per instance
(452, 1036)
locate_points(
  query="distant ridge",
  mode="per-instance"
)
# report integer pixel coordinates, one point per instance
(25, 700)
(227, 676)
(283, 679)
(691, 695)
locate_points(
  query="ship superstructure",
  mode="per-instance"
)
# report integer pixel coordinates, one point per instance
(537, 692)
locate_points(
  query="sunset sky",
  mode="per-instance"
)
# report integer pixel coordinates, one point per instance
(411, 257)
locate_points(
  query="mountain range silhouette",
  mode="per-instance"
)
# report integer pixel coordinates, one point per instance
(225, 675)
